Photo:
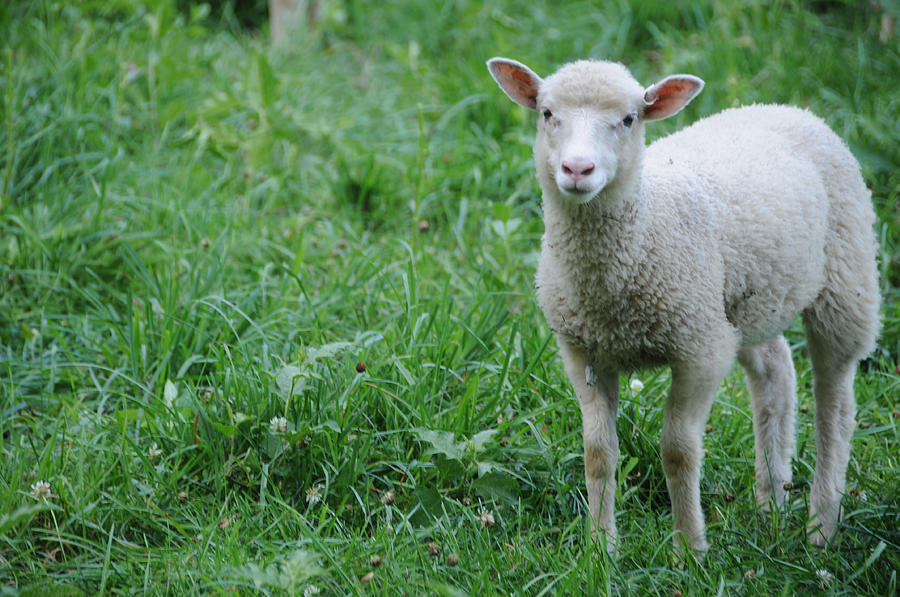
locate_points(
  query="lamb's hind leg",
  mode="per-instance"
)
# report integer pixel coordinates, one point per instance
(772, 384)
(842, 324)
(840, 330)
(835, 420)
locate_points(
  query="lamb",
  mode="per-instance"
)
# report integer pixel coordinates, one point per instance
(693, 252)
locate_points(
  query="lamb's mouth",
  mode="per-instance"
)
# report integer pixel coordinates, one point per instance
(580, 193)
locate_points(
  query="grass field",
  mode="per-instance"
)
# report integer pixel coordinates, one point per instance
(267, 321)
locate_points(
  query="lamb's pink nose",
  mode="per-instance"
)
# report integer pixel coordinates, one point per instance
(577, 168)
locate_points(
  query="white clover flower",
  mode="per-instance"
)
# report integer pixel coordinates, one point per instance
(311, 590)
(153, 451)
(636, 386)
(278, 425)
(41, 490)
(314, 494)
(486, 518)
(825, 578)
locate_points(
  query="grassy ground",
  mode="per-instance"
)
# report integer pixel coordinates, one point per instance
(266, 315)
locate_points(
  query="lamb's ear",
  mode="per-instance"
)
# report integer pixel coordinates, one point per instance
(518, 81)
(670, 95)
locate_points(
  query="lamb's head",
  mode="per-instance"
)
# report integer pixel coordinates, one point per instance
(591, 126)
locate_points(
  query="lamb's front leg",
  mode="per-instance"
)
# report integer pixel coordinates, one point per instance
(598, 395)
(686, 412)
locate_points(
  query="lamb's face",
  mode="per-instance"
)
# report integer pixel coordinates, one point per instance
(589, 128)
(591, 123)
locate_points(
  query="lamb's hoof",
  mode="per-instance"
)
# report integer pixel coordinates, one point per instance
(695, 550)
(770, 500)
(823, 525)
(605, 539)
(611, 548)
(820, 534)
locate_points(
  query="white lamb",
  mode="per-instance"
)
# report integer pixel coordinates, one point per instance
(694, 251)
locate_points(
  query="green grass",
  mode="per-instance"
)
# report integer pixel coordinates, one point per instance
(191, 219)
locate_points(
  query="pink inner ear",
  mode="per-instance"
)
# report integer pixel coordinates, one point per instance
(524, 84)
(676, 88)
(668, 97)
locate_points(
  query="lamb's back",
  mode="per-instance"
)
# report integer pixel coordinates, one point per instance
(771, 180)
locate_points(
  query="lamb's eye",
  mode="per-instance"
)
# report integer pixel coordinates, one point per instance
(547, 114)
(628, 120)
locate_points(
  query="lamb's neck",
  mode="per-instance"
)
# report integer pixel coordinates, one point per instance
(606, 232)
